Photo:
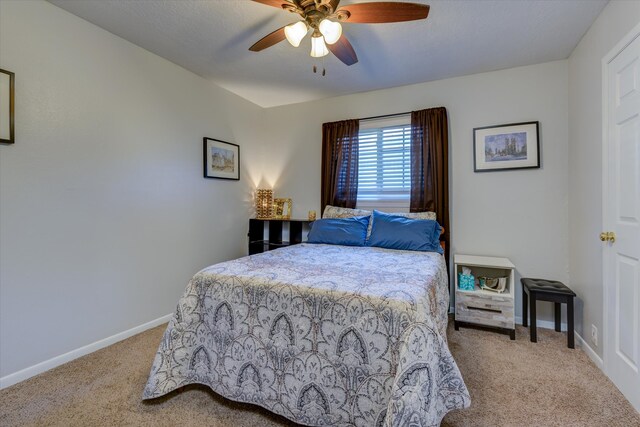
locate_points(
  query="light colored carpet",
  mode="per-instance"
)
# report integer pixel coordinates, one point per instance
(511, 384)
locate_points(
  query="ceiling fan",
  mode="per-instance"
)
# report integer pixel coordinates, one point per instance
(323, 17)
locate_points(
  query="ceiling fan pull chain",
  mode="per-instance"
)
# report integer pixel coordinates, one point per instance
(324, 70)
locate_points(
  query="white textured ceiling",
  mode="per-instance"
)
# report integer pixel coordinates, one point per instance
(212, 38)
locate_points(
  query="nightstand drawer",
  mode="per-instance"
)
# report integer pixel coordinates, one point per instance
(483, 310)
(497, 301)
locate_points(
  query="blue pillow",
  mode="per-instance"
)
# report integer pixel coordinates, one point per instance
(340, 231)
(398, 232)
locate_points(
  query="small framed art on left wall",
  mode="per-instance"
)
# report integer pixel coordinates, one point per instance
(7, 107)
(221, 159)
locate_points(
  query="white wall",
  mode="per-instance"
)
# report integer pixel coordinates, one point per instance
(520, 214)
(585, 160)
(104, 213)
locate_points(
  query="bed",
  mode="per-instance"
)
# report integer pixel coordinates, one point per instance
(320, 334)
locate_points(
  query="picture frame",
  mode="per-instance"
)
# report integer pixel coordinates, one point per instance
(282, 208)
(7, 107)
(221, 159)
(506, 147)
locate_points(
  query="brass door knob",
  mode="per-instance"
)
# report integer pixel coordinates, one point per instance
(608, 236)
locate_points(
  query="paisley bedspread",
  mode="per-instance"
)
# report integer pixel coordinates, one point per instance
(321, 334)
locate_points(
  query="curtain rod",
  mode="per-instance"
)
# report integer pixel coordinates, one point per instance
(385, 116)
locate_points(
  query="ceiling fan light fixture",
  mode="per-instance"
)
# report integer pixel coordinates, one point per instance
(296, 32)
(332, 31)
(318, 47)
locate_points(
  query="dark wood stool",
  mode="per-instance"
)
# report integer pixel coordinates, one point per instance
(547, 290)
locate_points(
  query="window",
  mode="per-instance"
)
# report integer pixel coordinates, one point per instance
(384, 164)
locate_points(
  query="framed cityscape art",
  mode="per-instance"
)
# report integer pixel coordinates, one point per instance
(510, 146)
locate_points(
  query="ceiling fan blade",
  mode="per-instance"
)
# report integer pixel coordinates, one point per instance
(385, 11)
(344, 51)
(274, 3)
(269, 40)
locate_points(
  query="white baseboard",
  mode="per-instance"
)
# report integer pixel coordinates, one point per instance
(546, 324)
(597, 360)
(580, 342)
(41, 367)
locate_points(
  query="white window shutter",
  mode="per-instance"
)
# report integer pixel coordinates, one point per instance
(384, 168)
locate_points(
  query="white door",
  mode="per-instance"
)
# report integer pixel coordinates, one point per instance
(622, 217)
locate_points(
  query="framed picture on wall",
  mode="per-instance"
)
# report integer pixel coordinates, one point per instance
(510, 146)
(221, 159)
(7, 107)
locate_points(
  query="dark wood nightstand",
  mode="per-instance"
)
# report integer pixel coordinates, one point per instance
(257, 242)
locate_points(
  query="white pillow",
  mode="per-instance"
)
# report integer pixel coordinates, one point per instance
(415, 215)
(336, 212)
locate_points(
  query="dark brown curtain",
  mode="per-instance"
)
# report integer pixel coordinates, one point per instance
(430, 166)
(340, 163)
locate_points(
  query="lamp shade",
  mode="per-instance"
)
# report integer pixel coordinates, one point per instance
(332, 31)
(264, 203)
(295, 33)
(318, 48)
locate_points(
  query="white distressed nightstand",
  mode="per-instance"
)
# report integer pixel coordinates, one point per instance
(481, 307)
